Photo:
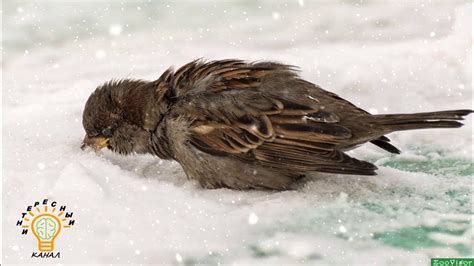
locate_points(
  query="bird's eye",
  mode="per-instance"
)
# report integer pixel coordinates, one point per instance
(107, 132)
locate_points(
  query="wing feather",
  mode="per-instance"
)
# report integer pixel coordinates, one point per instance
(234, 117)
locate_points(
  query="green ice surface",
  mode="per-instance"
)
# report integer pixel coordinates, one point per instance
(458, 197)
(435, 167)
(417, 237)
(395, 216)
(259, 252)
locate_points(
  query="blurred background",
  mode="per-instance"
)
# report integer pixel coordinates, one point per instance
(239, 24)
(311, 34)
(384, 56)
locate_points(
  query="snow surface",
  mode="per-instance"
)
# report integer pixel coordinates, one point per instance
(400, 57)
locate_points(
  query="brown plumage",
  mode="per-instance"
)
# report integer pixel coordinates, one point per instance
(235, 124)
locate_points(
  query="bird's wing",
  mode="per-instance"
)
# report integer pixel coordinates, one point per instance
(232, 117)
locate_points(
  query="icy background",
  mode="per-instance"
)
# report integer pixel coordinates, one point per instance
(400, 57)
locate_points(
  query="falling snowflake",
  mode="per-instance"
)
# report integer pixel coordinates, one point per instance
(115, 29)
(253, 218)
(100, 54)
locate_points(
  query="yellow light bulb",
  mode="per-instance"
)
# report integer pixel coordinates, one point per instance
(46, 227)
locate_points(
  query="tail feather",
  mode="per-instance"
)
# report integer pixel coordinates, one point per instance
(449, 115)
(441, 119)
(383, 142)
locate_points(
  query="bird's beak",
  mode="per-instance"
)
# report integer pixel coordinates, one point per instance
(96, 143)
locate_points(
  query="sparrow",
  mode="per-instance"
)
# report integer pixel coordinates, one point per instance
(243, 125)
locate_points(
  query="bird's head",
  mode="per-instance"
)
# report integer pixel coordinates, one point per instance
(120, 115)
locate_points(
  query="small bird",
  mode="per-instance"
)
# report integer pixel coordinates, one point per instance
(243, 125)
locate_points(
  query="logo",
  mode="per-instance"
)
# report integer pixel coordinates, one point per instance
(45, 220)
(452, 261)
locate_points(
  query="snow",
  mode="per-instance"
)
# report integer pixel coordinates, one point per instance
(400, 57)
(253, 218)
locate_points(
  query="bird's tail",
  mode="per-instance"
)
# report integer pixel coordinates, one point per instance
(441, 119)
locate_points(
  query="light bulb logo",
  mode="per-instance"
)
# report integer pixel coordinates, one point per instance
(46, 228)
(46, 220)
